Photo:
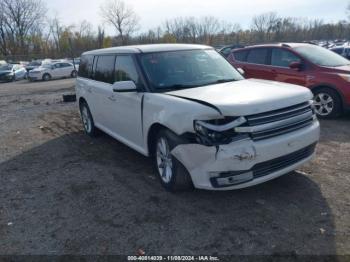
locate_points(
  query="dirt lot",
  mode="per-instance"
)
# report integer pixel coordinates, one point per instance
(65, 193)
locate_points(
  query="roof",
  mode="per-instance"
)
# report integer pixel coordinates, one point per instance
(290, 45)
(147, 49)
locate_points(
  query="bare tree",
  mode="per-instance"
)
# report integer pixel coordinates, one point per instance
(56, 30)
(100, 36)
(21, 18)
(121, 16)
(264, 25)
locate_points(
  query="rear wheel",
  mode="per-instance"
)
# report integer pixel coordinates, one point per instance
(74, 74)
(327, 103)
(172, 174)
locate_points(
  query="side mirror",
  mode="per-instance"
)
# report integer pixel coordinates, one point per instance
(124, 86)
(241, 71)
(52, 67)
(295, 66)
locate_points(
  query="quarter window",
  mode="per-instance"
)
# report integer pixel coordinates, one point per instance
(258, 56)
(85, 68)
(104, 71)
(283, 58)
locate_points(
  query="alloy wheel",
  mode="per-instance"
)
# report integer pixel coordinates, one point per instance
(164, 160)
(324, 104)
(86, 119)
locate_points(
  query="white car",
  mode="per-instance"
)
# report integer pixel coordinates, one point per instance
(201, 121)
(47, 72)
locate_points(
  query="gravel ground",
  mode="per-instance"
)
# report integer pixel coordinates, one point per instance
(65, 193)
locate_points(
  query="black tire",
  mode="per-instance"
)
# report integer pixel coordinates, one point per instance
(322, 108)
(180, 179)
(89, 128)
(74, 74)
(46, 77)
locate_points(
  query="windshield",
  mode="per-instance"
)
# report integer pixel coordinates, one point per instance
(6, 67)
(185, 69)
(34, 63)
(321, 56)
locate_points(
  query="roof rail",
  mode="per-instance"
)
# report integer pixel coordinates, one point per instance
(285, 45)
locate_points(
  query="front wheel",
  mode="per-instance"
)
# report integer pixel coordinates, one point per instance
(173, 175)
(46, 77)
(88, 122)
(74, 74)
(327, 103)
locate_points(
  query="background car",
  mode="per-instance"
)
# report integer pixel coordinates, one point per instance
(51, 71)
(226, 50)
(33, 64)
(344, 51)
(11, 72)
(326, 73)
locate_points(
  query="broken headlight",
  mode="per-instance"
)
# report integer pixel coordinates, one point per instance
(219, 131)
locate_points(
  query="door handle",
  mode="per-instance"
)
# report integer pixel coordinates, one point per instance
(112, 98)
(89, 89)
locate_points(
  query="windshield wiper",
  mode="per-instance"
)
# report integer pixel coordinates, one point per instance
(177, 87)
(224, 81)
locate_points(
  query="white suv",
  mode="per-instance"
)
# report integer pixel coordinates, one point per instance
(201, 121)
(50, 71)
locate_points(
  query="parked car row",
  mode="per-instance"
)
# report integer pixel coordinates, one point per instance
(37, 71)
(203, 124)
(324, 72)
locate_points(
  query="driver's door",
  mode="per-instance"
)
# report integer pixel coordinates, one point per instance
(56, 71)
(280, 61)
(124, 108)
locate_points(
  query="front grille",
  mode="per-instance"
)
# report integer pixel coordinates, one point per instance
(277, 115)
(279, 122)
(268, 167)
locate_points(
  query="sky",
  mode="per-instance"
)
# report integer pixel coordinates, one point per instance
(154, 12)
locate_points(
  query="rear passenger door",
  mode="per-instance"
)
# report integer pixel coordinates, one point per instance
(125, 108)
(280, 61)
(101, 90)
(256, 65)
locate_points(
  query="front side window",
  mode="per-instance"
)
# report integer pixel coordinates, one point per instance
(241, 55)
(187, 69)
(125, 70)
(104, 71)
(258, 56)
(321, 56)
(282, 58)
(65, 65)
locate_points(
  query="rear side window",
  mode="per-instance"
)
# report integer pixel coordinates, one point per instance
(258, 56)
(85, 68)
(241, 55)
(282, 58)
(125, 70)
(104, 71)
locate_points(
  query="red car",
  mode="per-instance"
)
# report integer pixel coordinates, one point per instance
(326, 73)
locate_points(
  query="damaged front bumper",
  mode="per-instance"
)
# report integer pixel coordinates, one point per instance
(246, 162)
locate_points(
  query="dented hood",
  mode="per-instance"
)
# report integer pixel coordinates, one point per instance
(246, 97)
